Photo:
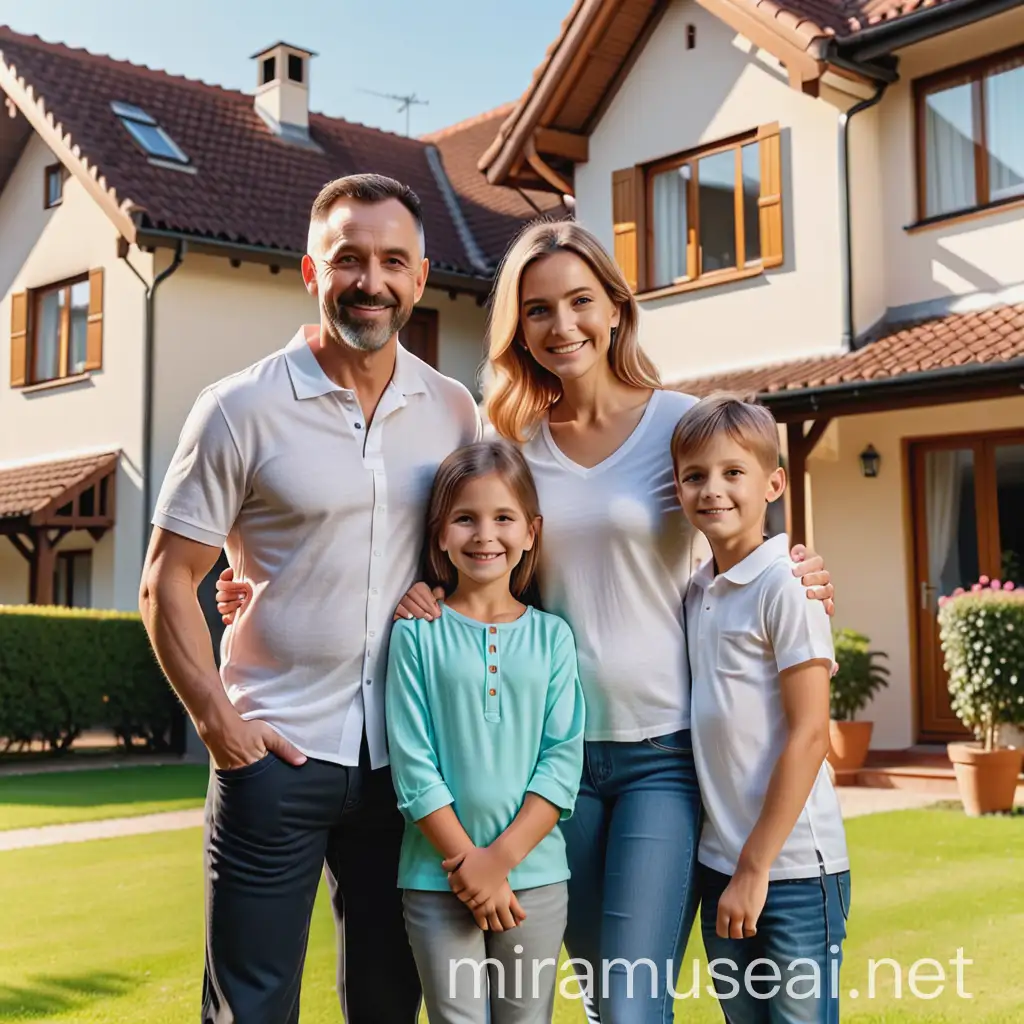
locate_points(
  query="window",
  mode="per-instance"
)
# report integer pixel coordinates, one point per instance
(709, 215)
(53, 185)
(72, 579)
(970, 146)
(269, 69)
(294, 67)
(57, 330)
(143, 128)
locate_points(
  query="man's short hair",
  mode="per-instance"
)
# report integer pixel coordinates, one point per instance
(749, 425)
(367, 188)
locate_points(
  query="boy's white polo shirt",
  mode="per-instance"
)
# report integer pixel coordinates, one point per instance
(325, 517)
(745, 627)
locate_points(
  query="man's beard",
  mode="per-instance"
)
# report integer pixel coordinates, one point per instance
(359, 334)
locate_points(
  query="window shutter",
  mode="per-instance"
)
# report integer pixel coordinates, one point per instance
(770, 201)
(19, 339)
(628, 217)
(94, 331)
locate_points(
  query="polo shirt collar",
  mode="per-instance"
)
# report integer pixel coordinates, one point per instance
(310, 381)
(750, 568)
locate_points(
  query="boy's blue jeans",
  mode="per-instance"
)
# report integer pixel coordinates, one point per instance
(769, 978)
(632, 849)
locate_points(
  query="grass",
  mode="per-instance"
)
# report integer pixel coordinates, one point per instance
(54, 798)
(111, 930)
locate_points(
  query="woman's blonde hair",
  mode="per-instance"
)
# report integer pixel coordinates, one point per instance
(521, 390)
(470, 463)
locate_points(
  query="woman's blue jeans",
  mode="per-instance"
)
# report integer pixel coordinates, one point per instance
(632, 847)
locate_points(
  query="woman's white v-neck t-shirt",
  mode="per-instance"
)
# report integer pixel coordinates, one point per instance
(616, 559)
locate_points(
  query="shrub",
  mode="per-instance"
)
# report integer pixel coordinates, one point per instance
(982, 633)
(63, 670)
(859, 676)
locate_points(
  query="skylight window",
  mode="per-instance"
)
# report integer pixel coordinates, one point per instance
(145, 130)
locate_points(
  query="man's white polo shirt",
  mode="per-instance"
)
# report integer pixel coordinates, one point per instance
(325, 516)
(745, 627)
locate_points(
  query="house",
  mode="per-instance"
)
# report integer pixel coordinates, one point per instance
(152, 231)
(821, 202)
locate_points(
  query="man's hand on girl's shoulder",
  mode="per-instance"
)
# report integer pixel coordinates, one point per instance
(420, 602)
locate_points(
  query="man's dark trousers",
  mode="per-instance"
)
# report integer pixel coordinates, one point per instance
(270, 830)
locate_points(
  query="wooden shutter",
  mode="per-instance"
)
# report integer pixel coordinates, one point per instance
(19, 339)
(629, 217)
(94, 331)
(770, 202)
(419, 335)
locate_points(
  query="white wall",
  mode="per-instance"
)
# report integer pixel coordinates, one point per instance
(41, 247)
(981, 254)
(675, 99)
(860, 529)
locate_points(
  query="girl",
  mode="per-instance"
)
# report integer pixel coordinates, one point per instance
(485, 728)
(570, 383)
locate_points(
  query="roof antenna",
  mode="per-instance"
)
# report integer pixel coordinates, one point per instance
(406, 102)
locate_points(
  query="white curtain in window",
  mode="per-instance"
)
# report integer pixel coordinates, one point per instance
(949, 151)
(943, 483)
(1004, 129)
(669, 226)
(47, 338)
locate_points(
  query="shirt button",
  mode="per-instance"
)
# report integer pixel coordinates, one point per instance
(371, 633)
(492, 649)
(376, 554)
(359, 426)
(369, 682)
(375, 592)
(492, 669)
(493, 693)
(493, 629)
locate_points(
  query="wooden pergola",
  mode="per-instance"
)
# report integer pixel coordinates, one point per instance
(40, 503)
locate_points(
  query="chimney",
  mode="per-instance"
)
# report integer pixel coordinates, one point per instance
(282, 90)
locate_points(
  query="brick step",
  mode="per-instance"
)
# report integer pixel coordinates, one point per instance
(920, 778)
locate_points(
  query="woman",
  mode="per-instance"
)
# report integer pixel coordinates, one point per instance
(572, 385)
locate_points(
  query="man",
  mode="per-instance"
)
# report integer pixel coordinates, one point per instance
(312, 468)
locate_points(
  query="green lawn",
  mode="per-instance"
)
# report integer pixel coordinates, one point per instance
(52, 798)
(111, 931)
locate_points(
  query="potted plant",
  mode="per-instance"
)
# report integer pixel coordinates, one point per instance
(982, 633)
(859, 677)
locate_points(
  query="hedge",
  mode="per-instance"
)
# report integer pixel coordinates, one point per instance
(64, 670)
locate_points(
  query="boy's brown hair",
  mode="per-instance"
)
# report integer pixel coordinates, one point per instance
(470, 463)
(749, 425)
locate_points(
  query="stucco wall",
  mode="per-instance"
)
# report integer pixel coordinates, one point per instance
(41, 247)
(983, 254)
(675, 99)
(859, 527)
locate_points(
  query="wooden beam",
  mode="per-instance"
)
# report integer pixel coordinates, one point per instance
(23, 547)
(815, 433)
(800, 443)
(107, 468)
(97, 532)
(553, 142)
(551, 176)
(42, 566)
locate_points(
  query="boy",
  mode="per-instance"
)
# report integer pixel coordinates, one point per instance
(775, 881)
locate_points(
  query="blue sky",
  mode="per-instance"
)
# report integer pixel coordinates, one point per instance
(464, 56)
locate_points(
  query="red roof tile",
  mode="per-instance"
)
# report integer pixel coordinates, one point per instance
(27, 488)
(250, 186)
(493, 213)
(956, 339)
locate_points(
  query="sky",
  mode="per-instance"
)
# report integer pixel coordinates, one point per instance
(462, 56)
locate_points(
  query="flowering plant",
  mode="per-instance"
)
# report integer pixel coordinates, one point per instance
(982, 634)
(859, 676)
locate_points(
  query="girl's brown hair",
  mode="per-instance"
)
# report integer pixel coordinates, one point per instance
(470, 463)
(521, 390)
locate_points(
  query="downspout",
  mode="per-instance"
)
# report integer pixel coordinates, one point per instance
(148, 377)
(845, 220)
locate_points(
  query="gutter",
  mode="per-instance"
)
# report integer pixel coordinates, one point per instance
(806, 403)
(443, 280)
(148, 377)
(845, 220)
(881, 39)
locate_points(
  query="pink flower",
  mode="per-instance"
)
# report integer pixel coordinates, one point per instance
(996, 585)
(1009, 585)
(975, 587)
(983, 580)
(943, 601)
(958, 591)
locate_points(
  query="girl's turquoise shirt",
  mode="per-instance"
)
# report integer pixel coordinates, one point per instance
(478, 715)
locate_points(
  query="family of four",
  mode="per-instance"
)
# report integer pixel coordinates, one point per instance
(602, 700)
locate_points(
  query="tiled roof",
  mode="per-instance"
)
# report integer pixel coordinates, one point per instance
(27, 488)
(957, 339)
(493, 213)
(250, 186)
(847, 17)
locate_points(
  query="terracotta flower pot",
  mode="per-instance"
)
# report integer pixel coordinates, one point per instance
(848, 744)
(986, 779)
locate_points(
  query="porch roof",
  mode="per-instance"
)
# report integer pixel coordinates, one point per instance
(32, 494)
(959, 356)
